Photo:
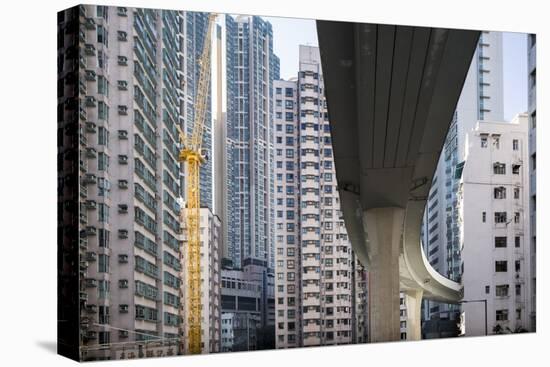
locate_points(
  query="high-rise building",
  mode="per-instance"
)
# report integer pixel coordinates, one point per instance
(194, 28)
(251, 67)
(211, 310)
(481, 99)
(493, 202)
(532, 110)
(135, 88)
(247, 89)
(315, 267)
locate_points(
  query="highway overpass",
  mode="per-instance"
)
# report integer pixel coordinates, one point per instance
(391, 93)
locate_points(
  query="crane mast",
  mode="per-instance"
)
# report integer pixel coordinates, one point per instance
(191, 153)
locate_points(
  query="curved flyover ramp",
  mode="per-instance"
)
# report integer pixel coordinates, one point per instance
(391, 93)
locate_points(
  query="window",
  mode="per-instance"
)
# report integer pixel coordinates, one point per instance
(289, 92)
(104, 337)
(102, 35)
(484, 141)
(517, 265)
(484, 217)
(500, 192)
(502, 290)
(102, 161)
(516, 217)
(499, 168)
(102, 136)
(518, 289)
(500, 217)
(515, 169)
(103, 288)
(516, 192)
(102, 85)
(103, 237)
(502, 315)
(103, 263)
(103, 213)
(515, 144)
(496, 142)
(487, 289)
(102, 110)
(103, 315)
(517, 241)
(278, 90)
(500, 242)
(501, 266)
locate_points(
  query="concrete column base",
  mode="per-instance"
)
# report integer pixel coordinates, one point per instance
(413, 301)
(384, 228)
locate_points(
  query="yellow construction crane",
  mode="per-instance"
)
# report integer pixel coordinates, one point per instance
(192, 154)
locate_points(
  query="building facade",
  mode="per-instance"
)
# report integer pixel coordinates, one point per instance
(494, 225)
(532, 109)
(315, 268)
(481, 99)
(251, 67)
(241, 311)
(134, 92)
(211, 310)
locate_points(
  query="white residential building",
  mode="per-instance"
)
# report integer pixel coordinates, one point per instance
(481, 99)
(211, 253)
(315, 273)
(493, 202)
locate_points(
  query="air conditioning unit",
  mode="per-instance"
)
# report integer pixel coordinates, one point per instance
(91, 231)
(91, 256)
(91, 204)
(90, 178)
(123, 184)
(91, 283)
(91, 308)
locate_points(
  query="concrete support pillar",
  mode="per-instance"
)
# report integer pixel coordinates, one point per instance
(413, 301)
(384, 228)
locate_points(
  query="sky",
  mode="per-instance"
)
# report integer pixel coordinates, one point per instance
(289, 33)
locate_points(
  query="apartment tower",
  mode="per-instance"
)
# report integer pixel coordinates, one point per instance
(493, 201)
(317, 295)
(136, 82)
